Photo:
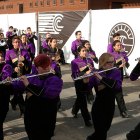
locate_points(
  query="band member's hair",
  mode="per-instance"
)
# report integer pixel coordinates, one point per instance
(51, 39)
(116, 34)
(28, 28)
(42, 60)
(10, 27)
(103, 59)
(76, 33)
(80, 47)
(16, 37)
(115, 42)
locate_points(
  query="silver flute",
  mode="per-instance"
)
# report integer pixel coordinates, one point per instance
(30, 76)
(92, 73)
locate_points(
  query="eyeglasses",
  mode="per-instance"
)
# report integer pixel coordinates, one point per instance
(16, 42)
(110, 62)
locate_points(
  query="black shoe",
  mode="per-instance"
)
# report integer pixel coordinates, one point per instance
(129, 136)
(90, 137)
(74, 115)
(88, 123)
(13, 105)
(124, 114)
(132, 135)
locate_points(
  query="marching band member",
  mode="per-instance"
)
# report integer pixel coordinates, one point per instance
(76, 43)
(10, 34)
(92, 55)
(90, 52)
(81, 66)
(41, 101)
(116, 36)
(19, 59)
(25, 44)
(45, 43)
(134, 134)
(3, 44)
(5, 71)
(31, 36)
(106, 85)
(121, 61)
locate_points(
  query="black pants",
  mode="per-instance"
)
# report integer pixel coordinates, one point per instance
(4, 107)
(18, 100)
(120, 101)
(102, 115)
(81, 101)
(40, 118)
(134, 134)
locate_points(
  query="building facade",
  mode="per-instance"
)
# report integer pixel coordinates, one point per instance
(29, 6)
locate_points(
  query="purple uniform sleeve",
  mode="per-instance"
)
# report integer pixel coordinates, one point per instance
(109, 48)
(111, 81)
(74, 47)
(6, 71)
(53, 87)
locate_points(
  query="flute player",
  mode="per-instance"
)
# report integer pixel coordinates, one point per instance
(41, 100)
(106, 85)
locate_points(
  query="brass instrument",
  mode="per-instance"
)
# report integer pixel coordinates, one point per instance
(2, 62)
(91, 74)
(30, 76)
(20, 64)
(137, 59)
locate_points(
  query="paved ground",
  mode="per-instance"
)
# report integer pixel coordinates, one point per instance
(69, 128)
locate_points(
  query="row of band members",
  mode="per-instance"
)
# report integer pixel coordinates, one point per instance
(106, 90)
(85, 70)
(48, 45)
(42, 96)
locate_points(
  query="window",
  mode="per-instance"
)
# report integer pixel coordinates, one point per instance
(41, 3)
(54, 2)
(2, 7)
(31, 4)
(61, 2)
(36, 3)
(20, 8)
(48, 2)
(82, 1)
(71, 1)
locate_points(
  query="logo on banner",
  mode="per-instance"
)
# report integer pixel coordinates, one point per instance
(50, 23)
(126, 35)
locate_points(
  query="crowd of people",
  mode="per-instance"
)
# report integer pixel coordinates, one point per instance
(40, 79)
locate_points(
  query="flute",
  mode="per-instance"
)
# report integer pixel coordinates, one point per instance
(92, 73)
(30, 76)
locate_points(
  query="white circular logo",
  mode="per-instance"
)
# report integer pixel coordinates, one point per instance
(126, 35)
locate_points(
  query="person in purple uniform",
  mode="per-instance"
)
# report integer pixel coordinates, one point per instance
(31, 36)
(45, 45)
(10, 34)
(135, 133)
(121, 61)
(116, 36)
(5, 71)
(90, 52)
(106, 84)
(25, 44)
(92, 55)
(80, 66)
(41, 100)
(19, 59)
(76, 43)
